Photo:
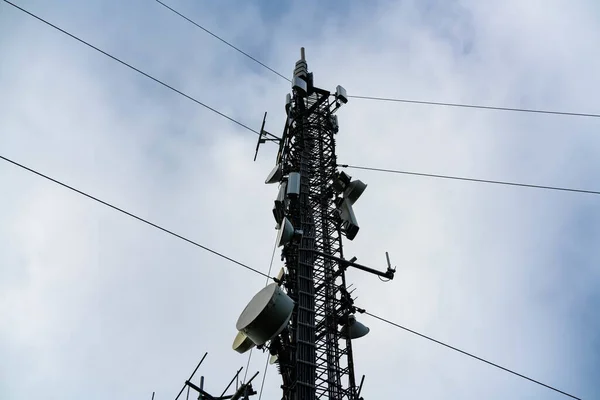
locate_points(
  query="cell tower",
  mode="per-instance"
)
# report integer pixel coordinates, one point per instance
(306, 319)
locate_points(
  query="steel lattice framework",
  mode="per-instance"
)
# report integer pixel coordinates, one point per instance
(316, 362)
(306, 320)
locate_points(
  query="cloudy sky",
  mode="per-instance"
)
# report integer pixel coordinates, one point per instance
(96, 305)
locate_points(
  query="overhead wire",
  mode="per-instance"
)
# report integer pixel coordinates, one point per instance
(397, 100)
(134, 68)
(470, 355)
(481, 107)
(221, 39)
(265, 275)
(257, 132)
(145, 221)
(462, 178)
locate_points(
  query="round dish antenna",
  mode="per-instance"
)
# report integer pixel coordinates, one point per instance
(266, 315)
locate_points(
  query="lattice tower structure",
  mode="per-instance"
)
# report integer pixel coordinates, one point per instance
(314, 360)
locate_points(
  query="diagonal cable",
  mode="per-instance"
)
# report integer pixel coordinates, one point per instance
(397, 100)
(481, 107)
(470, 355)
(265, 275)
(460, 178)
(133, 216)
(134, 68)
(222, 40)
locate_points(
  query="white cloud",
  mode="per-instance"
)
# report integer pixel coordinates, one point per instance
(94, 303)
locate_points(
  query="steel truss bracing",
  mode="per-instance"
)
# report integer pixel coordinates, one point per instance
(315, 363)
(307, 319)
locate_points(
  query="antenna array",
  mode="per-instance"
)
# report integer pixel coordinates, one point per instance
(307, 318)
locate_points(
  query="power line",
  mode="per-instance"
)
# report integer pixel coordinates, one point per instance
(134, 68)
(253, 269)
(362, 97)
(222, 40)
(435, 103)
(431, 103)
(470, 355)
(132, 215)
(459, 178)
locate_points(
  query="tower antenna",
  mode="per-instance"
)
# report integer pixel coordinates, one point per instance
(306, 319)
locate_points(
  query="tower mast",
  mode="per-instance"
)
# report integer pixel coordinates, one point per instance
(313, 211)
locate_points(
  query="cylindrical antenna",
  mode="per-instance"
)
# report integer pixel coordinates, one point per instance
(301, 69)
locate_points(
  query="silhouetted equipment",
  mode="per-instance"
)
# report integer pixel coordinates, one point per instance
(264, 136)
(341, 181)
(280, 275)
(354, 190)
(243, 391)
(306, 319)
(280, 203)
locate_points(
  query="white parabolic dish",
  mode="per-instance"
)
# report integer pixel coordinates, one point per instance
(266, 315)
(242, 343)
